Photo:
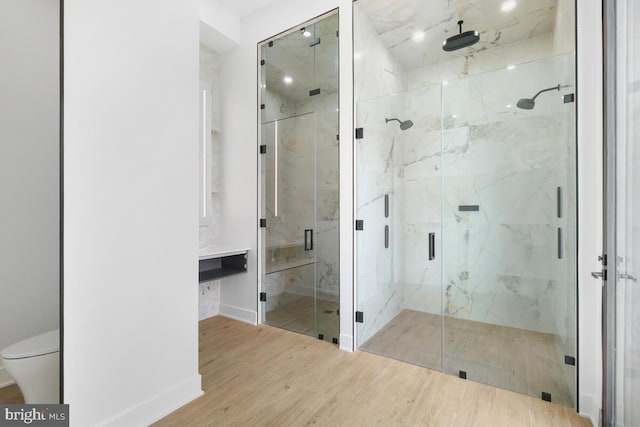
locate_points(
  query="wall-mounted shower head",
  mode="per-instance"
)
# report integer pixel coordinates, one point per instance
(461, 40)
(529, 103)
(403, 125)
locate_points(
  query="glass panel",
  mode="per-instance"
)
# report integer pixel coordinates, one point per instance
(325, 105)
(399, 190)
(628, 220)
(300, 179)
(509, 226)
(289, 208)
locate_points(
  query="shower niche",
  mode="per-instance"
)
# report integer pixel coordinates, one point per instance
(298, 188)
(466, 190)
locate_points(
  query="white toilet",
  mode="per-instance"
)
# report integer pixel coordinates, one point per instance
(34, 364)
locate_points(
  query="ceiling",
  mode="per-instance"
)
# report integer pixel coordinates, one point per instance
(242, 8)
(310, 67)
(413, 30)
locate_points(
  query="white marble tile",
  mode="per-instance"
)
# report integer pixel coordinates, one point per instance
(376, 72)
(414, 33)
(497, 265)
(208, 299)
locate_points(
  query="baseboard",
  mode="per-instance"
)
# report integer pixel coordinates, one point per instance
(238, 313)
(588, 409)
(346, 342)
(5, 378)
(158, 407)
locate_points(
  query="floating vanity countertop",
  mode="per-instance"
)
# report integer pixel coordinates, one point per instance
(208, 253)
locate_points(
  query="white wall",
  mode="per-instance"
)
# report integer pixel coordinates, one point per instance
(29, 170)
(219, 27)
(589, 99)
(131, 221)
(239, 123)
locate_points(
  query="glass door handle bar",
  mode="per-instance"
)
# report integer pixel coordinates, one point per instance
(597, 274)
(560, 244)
(386, 206)
(559, 202)
(386, 237)
(308, 239)
(432, 246)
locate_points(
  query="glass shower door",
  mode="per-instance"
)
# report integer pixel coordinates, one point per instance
(398, 202)
(509, 229)
(299, 247)
(289, 207)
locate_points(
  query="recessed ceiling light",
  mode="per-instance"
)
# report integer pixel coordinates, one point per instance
(454, 116)
(306, 33)
(509, 106)
(508, 5)
(288, 80)
(511, 67)
(418, 36)
(444, 82)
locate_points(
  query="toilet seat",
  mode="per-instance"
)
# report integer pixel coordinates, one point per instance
(39, 345)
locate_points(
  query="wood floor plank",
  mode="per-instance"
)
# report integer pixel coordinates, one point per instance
(11, 395)
(264, 376)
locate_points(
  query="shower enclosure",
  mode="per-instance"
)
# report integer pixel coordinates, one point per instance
(299, 257)
(466, 220)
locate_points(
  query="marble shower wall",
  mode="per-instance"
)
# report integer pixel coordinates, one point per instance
(500, 264)
(326, 233)
(307, 188)
(376, 74)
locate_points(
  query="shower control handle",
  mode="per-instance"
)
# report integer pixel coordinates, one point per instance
(432, 246)
(308, 239)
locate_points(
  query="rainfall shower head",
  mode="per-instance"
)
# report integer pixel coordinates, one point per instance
(461, 40)
(529, 103)
(403, 125)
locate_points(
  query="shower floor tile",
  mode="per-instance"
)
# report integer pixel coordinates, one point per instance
(527, 362)
(298, 316)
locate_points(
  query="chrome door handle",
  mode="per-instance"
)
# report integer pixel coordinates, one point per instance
(597, 274)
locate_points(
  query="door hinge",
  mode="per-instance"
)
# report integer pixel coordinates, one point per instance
(263, 149)
(359, 317)
(359, 224)
(263, 223)
(263, 296)
(359, 133)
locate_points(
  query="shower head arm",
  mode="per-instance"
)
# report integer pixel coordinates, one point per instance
(389, 120)
(545, 90)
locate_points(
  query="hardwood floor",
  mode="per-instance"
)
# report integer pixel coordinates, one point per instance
(524, 361)
(266, 376)
(11, 395)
